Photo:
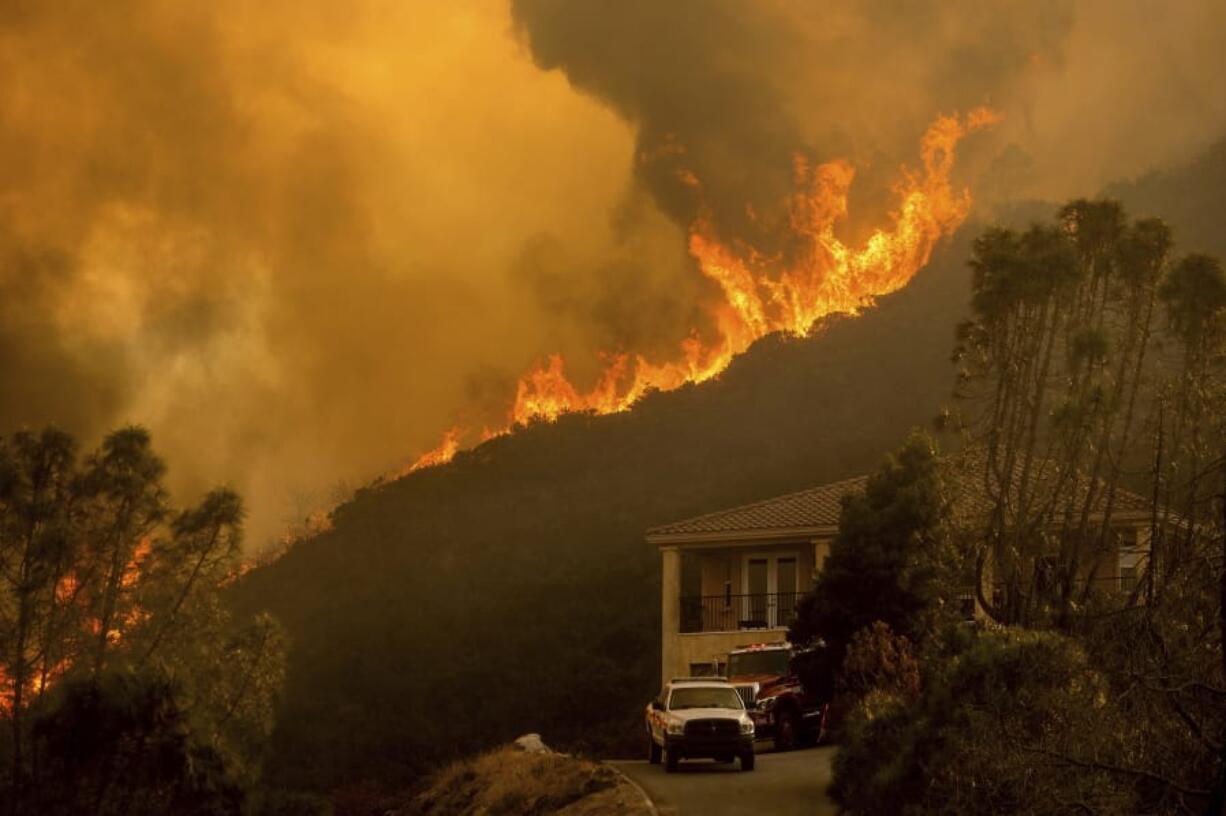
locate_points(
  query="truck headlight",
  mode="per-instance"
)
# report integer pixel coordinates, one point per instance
(675, 728)
(746, 726)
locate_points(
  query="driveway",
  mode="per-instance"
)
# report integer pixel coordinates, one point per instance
(783, 784)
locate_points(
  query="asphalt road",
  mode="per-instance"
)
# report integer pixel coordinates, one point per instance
(782, 784)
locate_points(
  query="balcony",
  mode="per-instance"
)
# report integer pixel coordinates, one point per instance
(735, 613)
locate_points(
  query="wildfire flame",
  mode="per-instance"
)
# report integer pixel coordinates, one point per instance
(443, 452)
(67, 592)
(824, 277)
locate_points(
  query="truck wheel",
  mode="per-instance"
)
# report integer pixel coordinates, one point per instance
(653, 751)
(787, 730)
(747, 760)
(670, 761)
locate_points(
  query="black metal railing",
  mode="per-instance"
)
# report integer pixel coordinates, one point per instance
(732, 613)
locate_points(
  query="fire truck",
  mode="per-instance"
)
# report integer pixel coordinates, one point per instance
(786, 689)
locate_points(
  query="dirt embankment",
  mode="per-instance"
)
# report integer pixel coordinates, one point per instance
(511, 781)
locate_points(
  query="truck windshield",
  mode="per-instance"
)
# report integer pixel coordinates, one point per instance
(704, 697)
(770, 661)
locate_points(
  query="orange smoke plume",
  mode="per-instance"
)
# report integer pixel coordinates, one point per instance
(766, 293)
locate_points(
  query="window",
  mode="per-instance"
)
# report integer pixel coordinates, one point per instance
(966, 607)
(1131, 556)
(712, 696)
(770, 583)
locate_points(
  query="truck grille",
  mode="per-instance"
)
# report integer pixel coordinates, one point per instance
(712, 728)
(748, 694)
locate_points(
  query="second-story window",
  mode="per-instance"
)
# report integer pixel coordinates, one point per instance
(1131, 556)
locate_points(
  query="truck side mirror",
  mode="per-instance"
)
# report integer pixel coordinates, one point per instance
(656, 705)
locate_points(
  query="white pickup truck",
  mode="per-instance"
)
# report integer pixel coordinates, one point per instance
(699, 718)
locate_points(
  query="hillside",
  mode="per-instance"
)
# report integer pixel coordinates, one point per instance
(511, 589)
(1192, 198)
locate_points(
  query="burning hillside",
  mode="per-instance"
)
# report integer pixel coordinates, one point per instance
(763, 292)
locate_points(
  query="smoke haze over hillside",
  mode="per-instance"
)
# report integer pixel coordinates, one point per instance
(297, 240)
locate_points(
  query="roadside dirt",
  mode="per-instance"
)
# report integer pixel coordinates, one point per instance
(512, 782)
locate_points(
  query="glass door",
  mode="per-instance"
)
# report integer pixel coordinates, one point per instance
(770, 588)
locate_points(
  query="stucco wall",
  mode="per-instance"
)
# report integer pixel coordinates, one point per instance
(705, 647)
(727, 564)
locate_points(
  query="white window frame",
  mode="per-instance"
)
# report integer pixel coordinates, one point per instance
(1134, 556)
(772, 580)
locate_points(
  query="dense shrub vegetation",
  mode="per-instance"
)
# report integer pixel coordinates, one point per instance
(996, 707)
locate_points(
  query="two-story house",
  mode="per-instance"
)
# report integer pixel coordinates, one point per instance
(734, 576)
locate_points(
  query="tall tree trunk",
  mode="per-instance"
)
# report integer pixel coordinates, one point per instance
(1217, 798)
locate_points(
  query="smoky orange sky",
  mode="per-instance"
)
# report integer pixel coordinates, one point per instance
(298, 240)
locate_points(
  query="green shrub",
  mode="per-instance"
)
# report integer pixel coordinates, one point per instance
(998, 727)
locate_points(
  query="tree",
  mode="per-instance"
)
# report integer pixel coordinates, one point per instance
(123, 504)
(1194, 294)
(1061, 368)
(37, 520)
(111, 617)
(887, 558)
(129, 747)
(1080, 389)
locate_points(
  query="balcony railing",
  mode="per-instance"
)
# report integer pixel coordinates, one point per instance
(732, 613)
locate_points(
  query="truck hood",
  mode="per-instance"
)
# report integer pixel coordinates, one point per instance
(687, 714)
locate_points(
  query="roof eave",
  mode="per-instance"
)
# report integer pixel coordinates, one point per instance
(742, 536)
(663, 539)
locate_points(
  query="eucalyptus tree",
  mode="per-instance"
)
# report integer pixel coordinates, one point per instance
(1027, 301)
(1059, 378)
(1092, 365)
(37, 544)
(122, 485)
(1194, 296)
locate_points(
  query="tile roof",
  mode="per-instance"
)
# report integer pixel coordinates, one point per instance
(812, 509)
(816, 510)
(966, 471)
